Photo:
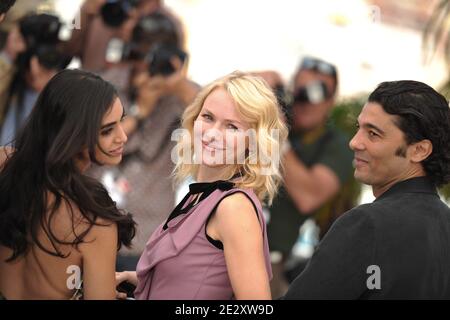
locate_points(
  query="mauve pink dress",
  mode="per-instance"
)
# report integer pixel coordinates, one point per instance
(179, 262)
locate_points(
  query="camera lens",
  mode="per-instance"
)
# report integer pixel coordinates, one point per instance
(115, 12)
(40, 28)
(160, 59)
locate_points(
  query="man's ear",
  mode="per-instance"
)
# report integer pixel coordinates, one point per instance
(2, 17)
(420, 150)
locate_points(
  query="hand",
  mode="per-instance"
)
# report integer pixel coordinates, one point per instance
(151, 88)
(15, 43)
(149, 91)
(175, 81)
(124, 276)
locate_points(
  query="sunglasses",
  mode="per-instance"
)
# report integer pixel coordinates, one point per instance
(314, 92)
(318, 65)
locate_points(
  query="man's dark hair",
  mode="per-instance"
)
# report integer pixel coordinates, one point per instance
(5, 5)
(422, 113)
(321, 67)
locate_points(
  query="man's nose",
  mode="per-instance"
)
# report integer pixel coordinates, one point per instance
(356, 142)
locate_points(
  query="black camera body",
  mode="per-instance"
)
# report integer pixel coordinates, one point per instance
(52, 57)
(40, 28)
(127, 287)
(115, 12)
(160, 56)
(41, 34)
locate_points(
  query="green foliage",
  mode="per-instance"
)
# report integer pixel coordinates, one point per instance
(436, 33)
(343, 117)
(445, 90)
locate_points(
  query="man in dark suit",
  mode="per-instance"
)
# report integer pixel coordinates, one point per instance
(397, 247)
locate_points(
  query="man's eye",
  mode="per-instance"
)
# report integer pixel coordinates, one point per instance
(373, 134)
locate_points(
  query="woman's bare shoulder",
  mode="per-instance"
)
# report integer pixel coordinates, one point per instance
(237, 208)
(69, 222)
(5, 154)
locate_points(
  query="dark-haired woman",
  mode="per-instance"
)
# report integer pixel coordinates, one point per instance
(59, 229)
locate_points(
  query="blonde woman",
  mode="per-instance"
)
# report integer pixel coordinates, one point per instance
(214, 243)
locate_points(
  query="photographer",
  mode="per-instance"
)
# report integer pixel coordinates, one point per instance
(104, 21)
(317, 163)
(40, 61)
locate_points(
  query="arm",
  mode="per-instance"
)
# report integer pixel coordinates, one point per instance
(15, 44)
(236, 225)
(99, 261)
(88, 11)
(149, 91)
(309, 188)
(5, 153)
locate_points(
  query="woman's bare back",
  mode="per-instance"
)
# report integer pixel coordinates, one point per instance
(38, 274)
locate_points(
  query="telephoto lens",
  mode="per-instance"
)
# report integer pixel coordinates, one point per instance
(115, 12)
(40, 28)
(159, 59)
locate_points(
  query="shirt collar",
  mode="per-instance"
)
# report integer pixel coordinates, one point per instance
(413, 185)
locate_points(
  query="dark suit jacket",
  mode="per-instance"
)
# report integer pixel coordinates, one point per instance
(405, 233)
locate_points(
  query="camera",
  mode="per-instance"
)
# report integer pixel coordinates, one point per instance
(41, 35)
(160, 56)
(40, 28)
(52, 57)
(151, 29)
(127, 287)
(115, 12)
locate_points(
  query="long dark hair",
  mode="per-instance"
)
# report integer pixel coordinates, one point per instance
(65, 120)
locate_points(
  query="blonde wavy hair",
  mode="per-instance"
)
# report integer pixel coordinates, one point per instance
(257, 105)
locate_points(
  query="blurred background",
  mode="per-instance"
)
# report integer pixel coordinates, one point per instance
(351, 45)
(372, 40)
